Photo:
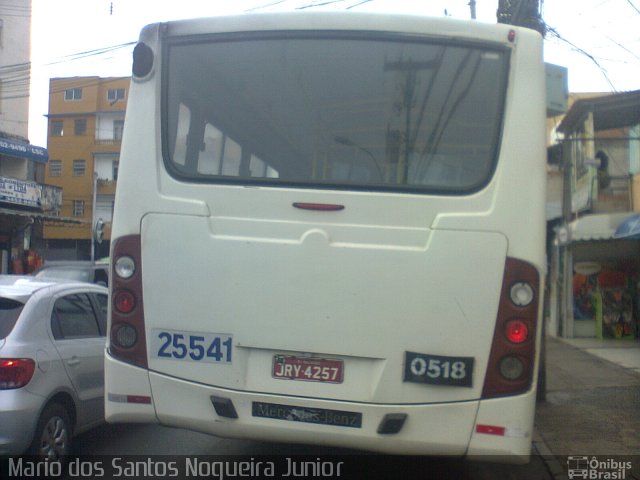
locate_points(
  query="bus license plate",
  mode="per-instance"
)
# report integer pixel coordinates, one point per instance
(438, 370)
(308, 369)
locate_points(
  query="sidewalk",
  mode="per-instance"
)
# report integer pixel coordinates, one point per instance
(593, 402)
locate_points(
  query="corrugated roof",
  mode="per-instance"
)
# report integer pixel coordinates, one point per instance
(596, 227)
(610, 111)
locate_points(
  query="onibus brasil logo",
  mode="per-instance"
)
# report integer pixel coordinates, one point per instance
(597, 469)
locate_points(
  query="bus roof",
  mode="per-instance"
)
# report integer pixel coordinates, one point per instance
(336, 20)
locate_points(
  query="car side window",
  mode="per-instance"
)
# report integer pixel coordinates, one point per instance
(101, 277)
(103, 302)
(74, 317)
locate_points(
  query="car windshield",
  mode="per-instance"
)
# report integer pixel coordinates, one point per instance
(394, 113)
(9, 312)
(77, 274)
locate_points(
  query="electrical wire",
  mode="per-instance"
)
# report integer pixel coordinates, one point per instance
(319, 4)
(576, 48)
(633, 6)
(15, 78)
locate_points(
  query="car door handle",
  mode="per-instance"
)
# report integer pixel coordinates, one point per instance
(73, 361)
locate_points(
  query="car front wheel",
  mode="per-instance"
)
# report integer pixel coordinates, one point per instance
(52, 439)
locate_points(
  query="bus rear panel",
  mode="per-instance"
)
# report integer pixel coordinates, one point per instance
(329, 229)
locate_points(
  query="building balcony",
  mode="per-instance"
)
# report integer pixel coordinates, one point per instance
(105, 187)
(108, 141)
(616, 195)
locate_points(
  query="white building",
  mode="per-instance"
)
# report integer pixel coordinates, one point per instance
(25, 203)
(15, 47)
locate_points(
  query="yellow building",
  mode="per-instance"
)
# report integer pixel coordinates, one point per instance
(86, 119)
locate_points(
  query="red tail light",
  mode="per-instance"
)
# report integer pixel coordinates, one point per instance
(512, 357)
(124, 301)
(15, 372)
(516, 331)
(127, 340)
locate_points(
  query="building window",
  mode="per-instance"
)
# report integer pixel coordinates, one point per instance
(118, 127)
(80, 126)
(78, 208)
(115, 170)
(55, 168)
(115, 94)
(73, 94)
(79, 168)
(57, 129)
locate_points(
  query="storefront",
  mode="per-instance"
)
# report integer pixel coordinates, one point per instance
(25, 205)
(21, 238)
(596, 271)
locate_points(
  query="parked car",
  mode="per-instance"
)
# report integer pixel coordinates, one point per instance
(81, 271)
(52, 339)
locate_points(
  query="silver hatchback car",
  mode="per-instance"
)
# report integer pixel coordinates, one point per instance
(52, 339)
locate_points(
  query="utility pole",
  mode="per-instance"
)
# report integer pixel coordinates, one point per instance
(472, 6)
(522, 13)
(93, 215)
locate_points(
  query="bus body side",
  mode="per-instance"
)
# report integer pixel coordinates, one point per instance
(276, 283)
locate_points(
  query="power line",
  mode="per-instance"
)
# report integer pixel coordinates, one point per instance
(358, 4)
(633, 6)
(557, 35)
(260, 7)
(16, 77)
(319, 4)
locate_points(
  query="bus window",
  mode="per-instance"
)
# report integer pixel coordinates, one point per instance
(403, 115)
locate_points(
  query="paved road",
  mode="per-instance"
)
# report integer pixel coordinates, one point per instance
(157, 440)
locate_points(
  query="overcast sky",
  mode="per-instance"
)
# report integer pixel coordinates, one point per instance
(600, 38)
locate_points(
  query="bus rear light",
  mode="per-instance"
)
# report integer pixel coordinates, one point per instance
(125, 267)
(140, 399)
(127, 339)
(490, 430)
(521, 294)
(143, 59)
(516, 331)
(125, 336)
(15, 372)
(511, 367)
(124, 301)
(512, 356)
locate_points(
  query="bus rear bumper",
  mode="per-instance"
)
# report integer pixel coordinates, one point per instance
(503, 429)
(429, 429)
(127, 396)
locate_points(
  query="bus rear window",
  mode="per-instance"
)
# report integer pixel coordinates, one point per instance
(331, 112)
(9, 312)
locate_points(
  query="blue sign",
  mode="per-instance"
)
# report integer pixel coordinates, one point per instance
(16, 148)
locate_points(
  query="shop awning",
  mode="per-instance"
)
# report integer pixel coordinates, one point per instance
(609, 111)
(46, 218)
(597, 227)
(629, 228)
(16, 148)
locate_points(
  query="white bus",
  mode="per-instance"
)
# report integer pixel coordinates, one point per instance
(329, 229)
